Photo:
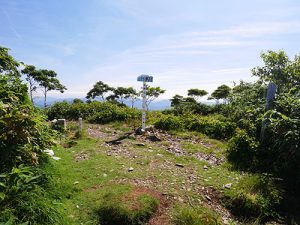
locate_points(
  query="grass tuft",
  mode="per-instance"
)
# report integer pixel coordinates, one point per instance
(129, 209)
(194, 216)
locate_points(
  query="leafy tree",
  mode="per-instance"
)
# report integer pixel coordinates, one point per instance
(22, 132)
(99, 89)
(133, 95)
(176, 100)
(279, 69)
(32, 76)
(222, 92)
(152, 93)
(77, 100)
(48, 81)
(7, 63)
(197, 93)
(120, 94)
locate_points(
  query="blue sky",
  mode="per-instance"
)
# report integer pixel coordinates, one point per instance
(183, 44)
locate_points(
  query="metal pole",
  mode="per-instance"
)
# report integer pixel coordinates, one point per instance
(144, 106)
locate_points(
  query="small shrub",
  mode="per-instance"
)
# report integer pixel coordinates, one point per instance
(169, 123)
(212, 127)
(194, 216)
(258, 198)
(25, 197)
(242, 150)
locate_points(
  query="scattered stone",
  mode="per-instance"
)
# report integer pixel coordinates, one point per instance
(76, 182)
(141, 144)
(139, 131)
(104, 175)
(226, 221)
(208, 198)
(154, 138)
(108, 154)
(180, 199)
(130, 169)
(116, 142)
(228, 186)
(150, 128)
(77, 206)
(205, 167)
(179, 165)
(49, 152)
(55, 158)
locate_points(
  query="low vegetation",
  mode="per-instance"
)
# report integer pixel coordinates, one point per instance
(235, 162)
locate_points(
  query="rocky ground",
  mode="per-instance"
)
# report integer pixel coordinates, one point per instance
(183, 183)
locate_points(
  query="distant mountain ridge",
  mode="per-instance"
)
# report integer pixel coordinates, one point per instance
(155, 105)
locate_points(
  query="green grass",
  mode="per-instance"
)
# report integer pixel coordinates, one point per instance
(85, 184)
(194, 148)
(132, 210)
(194, 216)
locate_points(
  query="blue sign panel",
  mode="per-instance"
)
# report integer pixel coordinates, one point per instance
(145, 78)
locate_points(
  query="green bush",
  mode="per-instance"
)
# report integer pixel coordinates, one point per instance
(113, 113)
(169, 123)
(242, 150)
(194, 216)
(23, 133)
(212, 127)
(258, 199)
(26, 198)
(94, 112)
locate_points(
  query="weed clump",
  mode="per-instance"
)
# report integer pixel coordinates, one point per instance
(134, 209)
(258, 198)
(194, 216)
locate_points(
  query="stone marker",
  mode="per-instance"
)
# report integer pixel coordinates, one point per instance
(80, 124)
(62, 122)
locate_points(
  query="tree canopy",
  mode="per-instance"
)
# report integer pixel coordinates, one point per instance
(222, 92)
(197, 93)
(100, 89)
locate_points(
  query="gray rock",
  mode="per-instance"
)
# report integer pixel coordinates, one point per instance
(228, 186)
(205, 167)
(208, 198)
(130, 169)
(141, 144)
(139, 131)
(179, 165)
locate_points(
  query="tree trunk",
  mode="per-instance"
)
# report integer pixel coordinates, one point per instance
(45, 98)
(30, 91)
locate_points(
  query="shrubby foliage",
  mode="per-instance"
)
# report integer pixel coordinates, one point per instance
(213, 126)
(23, 137)
(268, 139)
(94, 112)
